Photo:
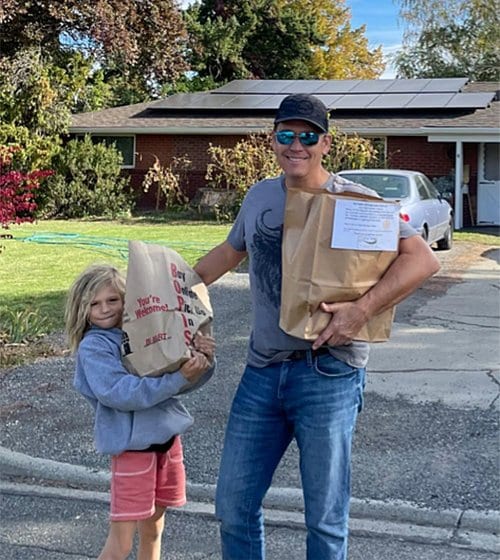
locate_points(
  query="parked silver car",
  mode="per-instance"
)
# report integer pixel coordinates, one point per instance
(422, 206)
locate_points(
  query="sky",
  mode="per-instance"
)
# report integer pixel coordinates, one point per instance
(382, 25)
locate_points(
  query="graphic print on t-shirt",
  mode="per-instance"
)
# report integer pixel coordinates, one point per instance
(266, 259)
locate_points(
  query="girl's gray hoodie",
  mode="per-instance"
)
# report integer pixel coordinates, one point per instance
(131, 412)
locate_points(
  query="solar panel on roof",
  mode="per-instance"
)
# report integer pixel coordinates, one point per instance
(271, 101)
(178, 100)
(358, 101)
(407, 86)
(391, 101)
(266, 95)
(470, 100)
(429, 101)
(237, 86)
(304, 86)
(371, 86)
(251, 102)
(337, 86)
(201, 100)
(437, 85)
(272, 86)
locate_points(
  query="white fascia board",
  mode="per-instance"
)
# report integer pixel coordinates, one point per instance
(463, 134)
(121, 130)
(380, 131)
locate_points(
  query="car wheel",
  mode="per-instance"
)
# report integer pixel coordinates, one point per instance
(447, 241)
(425, 234)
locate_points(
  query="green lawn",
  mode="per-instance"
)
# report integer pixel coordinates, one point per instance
(38, 265)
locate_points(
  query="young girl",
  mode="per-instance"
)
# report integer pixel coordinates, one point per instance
(137, 420)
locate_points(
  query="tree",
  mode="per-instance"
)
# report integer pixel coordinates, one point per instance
(450, 38)
(137, 43)
(232, 39)
(277, 39)
(40, 93)
(344, 52)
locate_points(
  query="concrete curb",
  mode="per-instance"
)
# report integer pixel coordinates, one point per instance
(477, 540)
(278, 499)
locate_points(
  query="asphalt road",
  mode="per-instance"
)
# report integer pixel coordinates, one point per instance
(425, 452)
(428, 434)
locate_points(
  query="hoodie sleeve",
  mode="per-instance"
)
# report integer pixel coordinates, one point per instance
(113, 386)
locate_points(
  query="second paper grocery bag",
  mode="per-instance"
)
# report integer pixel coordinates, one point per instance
(314, 271)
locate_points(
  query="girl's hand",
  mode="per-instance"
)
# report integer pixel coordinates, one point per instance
(195, 367)
(204, 344)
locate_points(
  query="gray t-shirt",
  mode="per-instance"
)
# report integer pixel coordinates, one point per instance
(258, 229)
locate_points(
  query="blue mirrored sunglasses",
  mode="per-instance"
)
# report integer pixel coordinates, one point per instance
(286, 137)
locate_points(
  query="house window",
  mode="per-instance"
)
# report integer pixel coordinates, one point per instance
(124, 144)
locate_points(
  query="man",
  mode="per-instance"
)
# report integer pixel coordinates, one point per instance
(290, 387)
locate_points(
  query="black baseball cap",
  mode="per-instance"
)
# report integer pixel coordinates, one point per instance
(303, 107)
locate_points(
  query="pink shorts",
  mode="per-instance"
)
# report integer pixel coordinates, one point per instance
(141, 480)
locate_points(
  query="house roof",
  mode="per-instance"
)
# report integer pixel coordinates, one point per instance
(376, 107)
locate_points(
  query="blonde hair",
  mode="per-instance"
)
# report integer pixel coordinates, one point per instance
(81, 294)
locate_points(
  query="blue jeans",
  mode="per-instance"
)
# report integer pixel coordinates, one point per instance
(315, 401)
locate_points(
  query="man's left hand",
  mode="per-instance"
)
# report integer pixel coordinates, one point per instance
(347, 320)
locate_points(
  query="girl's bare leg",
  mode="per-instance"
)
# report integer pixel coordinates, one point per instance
(150, 532)
(120, 540)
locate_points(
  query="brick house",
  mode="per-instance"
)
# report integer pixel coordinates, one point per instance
(435, 126)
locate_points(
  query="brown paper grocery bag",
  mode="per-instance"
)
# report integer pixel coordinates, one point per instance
(166, 303)
(314, 272)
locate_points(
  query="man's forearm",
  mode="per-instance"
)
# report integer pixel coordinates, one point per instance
(217, 262)
(415, 263)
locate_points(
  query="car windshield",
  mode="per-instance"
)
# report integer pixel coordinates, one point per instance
(387, 186)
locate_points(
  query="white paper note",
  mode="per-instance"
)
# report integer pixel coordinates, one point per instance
(367, 226)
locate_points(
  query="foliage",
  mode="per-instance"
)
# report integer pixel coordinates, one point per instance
(36, 99)
(451, 38)
(277, 39)
(86, 182)
(36, 151)
(140, 42)
(236, 169)
(21, 326)
(167, 180)
(343, 53)
(30, 95)
(17, 196)
(350, 152)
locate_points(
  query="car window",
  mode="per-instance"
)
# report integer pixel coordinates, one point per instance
(434, 193)
(423, 191)
(387, 186)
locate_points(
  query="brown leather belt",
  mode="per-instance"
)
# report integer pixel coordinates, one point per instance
(302, 354)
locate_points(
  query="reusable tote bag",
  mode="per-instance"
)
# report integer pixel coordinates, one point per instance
(314, 271)
(166, 303)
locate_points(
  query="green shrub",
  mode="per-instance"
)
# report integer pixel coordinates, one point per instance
(350, 152)
(237, 169)
(87, 182)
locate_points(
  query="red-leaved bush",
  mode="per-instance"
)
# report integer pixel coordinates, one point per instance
(17, 197)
